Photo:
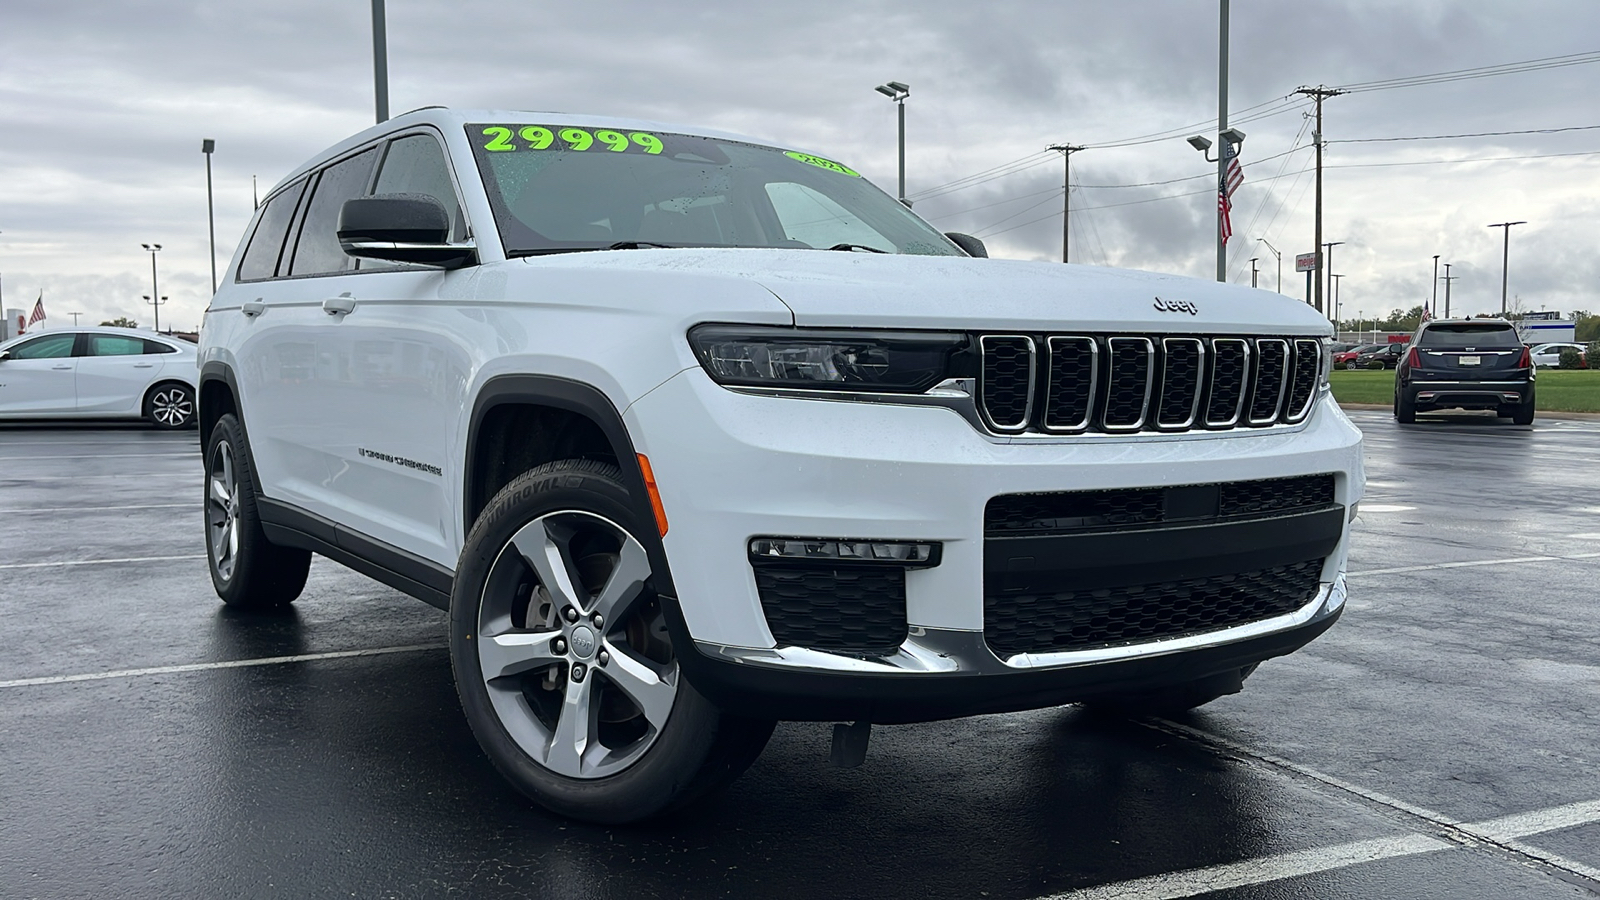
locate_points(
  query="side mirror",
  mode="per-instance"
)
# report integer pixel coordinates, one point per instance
(412, 228)
(967, 242)
(5, 355)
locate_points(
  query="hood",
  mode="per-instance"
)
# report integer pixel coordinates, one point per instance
(870, 290)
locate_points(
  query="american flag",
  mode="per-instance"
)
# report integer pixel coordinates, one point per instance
(38, 311)
(1232, 177)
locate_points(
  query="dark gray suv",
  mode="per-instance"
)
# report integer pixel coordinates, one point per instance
(1465, 364)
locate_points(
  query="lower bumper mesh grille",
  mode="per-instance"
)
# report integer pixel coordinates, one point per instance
(1047, 622)
(839, 609)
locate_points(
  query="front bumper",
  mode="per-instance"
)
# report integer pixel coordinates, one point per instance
(732, 466)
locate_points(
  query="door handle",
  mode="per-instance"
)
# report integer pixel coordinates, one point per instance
(253, 307)
(343, 303)
(144, 365)
(61, 368)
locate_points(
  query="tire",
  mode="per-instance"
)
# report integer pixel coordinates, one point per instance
(1405, 409)
(1524, 413)
(248, 571)
(555, 629)
(1175, 699)
(170, 406)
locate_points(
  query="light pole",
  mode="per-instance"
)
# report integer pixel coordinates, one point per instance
(157, 304)
(1329, 247)
(1279, 257)
(154, 292)
(1447, 279)
(1435, 306)
(1335, 302)
(1253, 271)
(1505, 260)
(898, 92)
(1232, 139)
(380, 61)
(1066, 151)
(1361, 326)
(206, 146)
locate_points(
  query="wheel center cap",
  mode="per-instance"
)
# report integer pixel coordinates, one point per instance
(583, 641)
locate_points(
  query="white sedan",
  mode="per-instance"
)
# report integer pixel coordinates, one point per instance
(95, 373)
(1550, 354)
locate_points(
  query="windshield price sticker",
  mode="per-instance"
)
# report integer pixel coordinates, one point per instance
(499, 138)
(821, 163)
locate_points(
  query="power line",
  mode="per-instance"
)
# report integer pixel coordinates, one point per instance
(1531, 65)
(1451, 162)
(1475, 134)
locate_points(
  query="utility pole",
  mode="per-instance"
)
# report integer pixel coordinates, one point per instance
(1253, 271)
(1447, 279)
(1505, 259)
(1318, 94)
(1435, 306)
(1066, 151)
(74, 316)
(380, 61)
(1329, 269)
(1222, 126)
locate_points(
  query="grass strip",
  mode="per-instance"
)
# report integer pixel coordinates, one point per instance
(1557, 390)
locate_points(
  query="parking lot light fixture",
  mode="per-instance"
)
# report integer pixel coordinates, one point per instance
(154, 290)
(898, 92)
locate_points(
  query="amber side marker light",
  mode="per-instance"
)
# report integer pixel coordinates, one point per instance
(655, 495)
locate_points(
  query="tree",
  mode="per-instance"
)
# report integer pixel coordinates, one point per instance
(1587, 326)
(121, 322)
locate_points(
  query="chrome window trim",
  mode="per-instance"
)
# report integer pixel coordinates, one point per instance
(1033, 375)
(1049, 381)
(1283, 381)
(1149, 378)
(941, 651)
(1199, 383)
(1293, 416)
(1244, 384)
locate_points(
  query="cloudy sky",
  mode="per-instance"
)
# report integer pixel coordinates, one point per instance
(103, 107)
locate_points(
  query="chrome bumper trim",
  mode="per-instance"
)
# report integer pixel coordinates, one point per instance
(939, 651)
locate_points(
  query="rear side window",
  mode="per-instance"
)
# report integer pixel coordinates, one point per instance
(158, 347)
(318, 251)
(261, 259)
(55, 346)
(116, 345)
(415, 164)
(1470, 335)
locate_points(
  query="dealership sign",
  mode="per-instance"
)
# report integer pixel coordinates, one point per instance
(1306, 262)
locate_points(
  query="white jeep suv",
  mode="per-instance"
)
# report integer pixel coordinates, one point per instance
(690, 434)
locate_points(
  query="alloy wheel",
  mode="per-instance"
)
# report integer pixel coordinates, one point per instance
(172, 406)
(222, 510)
(572, 645)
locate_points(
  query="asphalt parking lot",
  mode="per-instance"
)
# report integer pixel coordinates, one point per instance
(1441, 741)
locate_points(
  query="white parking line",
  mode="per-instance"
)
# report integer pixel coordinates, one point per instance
(1384, 507)
(108, 456)
(226, 664)
(60, 509)
(1192, 882)
(99, 562)
(1502, 832)
(1468, 564)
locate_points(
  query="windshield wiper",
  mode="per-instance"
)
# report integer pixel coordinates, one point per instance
(635, 245)
(857, 247)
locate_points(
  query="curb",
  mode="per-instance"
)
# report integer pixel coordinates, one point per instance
(1546, 414)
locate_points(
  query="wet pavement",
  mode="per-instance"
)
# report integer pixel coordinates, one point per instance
(1442, 741)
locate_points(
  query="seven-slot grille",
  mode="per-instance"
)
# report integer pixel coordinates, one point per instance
(1120, 384)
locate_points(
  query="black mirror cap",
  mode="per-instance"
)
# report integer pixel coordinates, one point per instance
(970, 244)
(412, 228)
(394, 218)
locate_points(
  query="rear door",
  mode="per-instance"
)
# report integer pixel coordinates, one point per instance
(113, 372)
(39, 377)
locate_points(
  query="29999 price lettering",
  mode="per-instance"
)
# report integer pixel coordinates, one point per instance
(538, 137)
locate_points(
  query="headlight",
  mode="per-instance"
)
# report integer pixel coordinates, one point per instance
(900, 362)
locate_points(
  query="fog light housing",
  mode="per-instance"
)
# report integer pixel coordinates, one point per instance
(909, 554)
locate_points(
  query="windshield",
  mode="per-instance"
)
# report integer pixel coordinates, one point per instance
(1471, 336)
(557, 188)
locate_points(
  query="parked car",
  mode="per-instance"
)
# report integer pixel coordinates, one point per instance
(1345, 359)
(1386, 355)
(101, 373)
(690, 433)
(1549, 355)
(1467, 364)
